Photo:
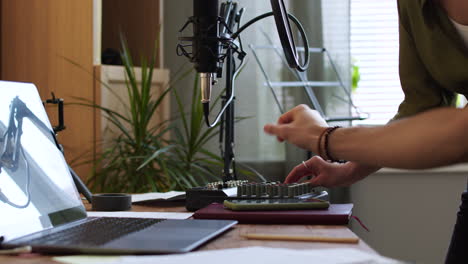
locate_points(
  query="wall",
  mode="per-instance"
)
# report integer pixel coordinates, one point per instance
(138, 21)
(410, 214)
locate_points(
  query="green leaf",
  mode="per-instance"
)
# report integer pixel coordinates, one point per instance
(154, 155)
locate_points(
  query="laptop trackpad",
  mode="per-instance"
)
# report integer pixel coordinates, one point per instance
(172, 236)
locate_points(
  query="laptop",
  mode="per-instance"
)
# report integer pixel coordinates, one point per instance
(40, 206)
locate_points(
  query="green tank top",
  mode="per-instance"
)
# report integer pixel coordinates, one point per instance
(433, 58)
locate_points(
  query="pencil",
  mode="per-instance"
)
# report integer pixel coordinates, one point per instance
(348, 240)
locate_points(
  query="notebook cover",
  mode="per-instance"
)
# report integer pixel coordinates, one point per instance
(336, 214)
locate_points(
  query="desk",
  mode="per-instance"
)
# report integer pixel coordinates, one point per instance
(232, 238)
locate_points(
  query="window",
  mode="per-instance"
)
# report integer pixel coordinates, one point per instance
(374, 49)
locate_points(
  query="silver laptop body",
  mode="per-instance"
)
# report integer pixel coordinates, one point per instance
(40, 206)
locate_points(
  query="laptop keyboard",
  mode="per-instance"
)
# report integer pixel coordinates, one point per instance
(96, 232)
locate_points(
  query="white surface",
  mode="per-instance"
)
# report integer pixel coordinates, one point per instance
(230, 191)
(155, 215)
(410, 215)
(245, 255)
(168, 196)
(86, 259)
(458, 168)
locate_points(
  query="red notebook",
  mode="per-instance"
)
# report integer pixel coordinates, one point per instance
(336, 214)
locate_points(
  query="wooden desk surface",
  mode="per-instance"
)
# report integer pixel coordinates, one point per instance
(232, 238)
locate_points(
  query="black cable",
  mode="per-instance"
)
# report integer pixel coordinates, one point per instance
(302, 67)
(253, 20)
(206, 112)
(206, 106)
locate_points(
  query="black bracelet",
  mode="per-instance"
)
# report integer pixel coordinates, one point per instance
(327, 152)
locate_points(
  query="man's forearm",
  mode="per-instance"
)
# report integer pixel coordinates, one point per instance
(361, 169)
(434, 138)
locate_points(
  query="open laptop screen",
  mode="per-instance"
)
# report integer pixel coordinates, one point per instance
(36, 189)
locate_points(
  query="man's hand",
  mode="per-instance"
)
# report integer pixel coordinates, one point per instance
(300, 126)
(329, 174)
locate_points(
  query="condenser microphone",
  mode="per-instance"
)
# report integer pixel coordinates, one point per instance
(206, 44)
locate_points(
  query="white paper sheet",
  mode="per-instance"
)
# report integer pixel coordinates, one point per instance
(252, 255)
(87, 259)
(264, 255)
(167, 196)
(156, 215)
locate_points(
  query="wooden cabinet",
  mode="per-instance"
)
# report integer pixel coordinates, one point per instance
(39, 39)
(51, 43)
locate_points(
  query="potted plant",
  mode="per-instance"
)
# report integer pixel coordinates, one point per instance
(119, 165)
(144, 157)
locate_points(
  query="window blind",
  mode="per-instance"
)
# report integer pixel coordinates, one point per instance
(374, 49)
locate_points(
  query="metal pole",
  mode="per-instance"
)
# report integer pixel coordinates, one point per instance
(229, 122)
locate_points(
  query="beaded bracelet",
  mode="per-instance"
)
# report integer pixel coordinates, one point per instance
(325, 154)
(327, 135)
(319, 142)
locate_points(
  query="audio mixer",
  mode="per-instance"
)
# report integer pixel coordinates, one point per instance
(218, 192)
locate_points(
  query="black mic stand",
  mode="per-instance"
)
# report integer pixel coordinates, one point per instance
(227, 124)
(228, 18)
(199, 197)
